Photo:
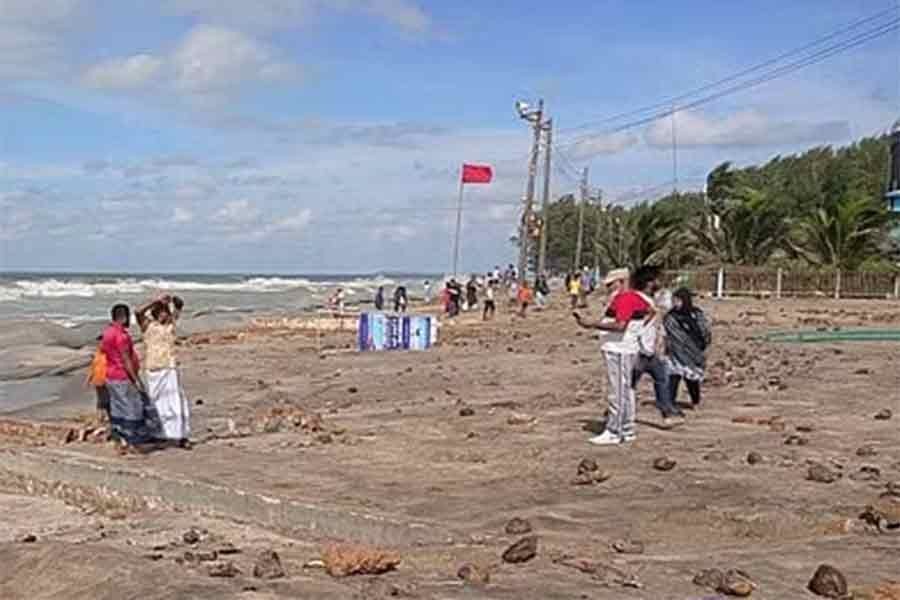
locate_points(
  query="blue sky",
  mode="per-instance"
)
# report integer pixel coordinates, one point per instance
(325, 135)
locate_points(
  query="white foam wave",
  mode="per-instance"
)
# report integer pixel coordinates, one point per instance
(54, 288)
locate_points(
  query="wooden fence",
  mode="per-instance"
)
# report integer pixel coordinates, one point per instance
(778, 283)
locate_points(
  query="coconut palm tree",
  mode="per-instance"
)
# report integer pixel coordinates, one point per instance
(632, 237)
(841, 234)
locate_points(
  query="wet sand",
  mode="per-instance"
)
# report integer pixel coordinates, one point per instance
(442, 448)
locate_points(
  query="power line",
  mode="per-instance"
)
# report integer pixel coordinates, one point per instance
(738, 75)
(782, 71)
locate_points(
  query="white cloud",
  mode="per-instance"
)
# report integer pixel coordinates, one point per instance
(742, 129)
(182, 215)
(288, 14)
(296, 222)
(237, 213)
(208, 62)
(214, 58)
(31, 36)
(124, 73)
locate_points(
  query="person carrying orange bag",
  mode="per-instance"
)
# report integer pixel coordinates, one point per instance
(96, 378)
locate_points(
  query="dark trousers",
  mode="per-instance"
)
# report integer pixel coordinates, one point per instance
(657, 370)
(693, 388)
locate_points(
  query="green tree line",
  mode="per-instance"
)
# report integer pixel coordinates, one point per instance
(822, 208)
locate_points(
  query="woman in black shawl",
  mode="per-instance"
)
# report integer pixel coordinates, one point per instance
(687, 338)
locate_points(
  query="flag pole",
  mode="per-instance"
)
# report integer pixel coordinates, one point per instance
(459, 204)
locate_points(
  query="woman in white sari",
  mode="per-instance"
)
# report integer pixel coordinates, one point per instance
(163, 380)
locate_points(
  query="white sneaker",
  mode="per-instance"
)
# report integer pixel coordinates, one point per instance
(629, 438)
(605, 439)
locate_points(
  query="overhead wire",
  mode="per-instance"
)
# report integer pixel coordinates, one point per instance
(773, 74)
(668, 102)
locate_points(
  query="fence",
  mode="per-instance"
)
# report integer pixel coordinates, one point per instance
(778, 283)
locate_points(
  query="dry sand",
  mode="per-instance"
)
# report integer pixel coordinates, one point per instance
(448, 445)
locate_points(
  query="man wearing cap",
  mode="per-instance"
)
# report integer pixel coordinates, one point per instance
(624, 318)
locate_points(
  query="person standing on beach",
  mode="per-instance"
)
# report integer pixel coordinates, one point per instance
(379, 298)
(542, 291)
(126, 390)
(649, 358)
(400, 299)
(688, 336)
(96, 378)
(490, 306)
(574, 290)
(163, 380)
(525, 297)
(426, 291)
(629, 311)
(472, 294)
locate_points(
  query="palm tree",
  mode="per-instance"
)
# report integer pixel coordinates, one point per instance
(842, 234)
(747, 229)
(632, 237)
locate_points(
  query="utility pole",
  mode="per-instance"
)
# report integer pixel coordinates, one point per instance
(536, 120)
(545, 203)
(580, 239)
(674, 154)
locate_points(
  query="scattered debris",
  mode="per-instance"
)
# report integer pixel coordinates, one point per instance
(522, 551)
(466, 411)
(754, 458)
(521, 419)
(828, 582)
(866, 451)
(474, 574)
(517, 526)
(191, 536)
(664, 464)
(223, 569)
(268, 565)
(822, 474)
(628, 546)
(29, 538)
(587, 465)
(795, 440)
(342, 560)
(867, 473)
(884, 414)
(715, 456)
(733, 582)
(599, 571)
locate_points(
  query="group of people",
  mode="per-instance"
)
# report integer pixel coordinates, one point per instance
(642, 335)
(400, 298)
(148, 409)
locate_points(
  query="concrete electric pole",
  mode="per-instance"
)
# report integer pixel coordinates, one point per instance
(545, 203)
(535, 117)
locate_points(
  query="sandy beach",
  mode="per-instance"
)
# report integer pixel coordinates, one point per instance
(302, 442)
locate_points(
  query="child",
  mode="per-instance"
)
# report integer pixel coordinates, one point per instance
(525, 296)
(96, 378)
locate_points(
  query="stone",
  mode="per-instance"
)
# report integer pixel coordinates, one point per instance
(828, 582)
(754, 458)
(474, 574)
(866, 451)
(806, 428)
(466, 411)
(884, 414)
(324, 438)
(29, 538)
(590, 478)
(223, 569)
(352, 390)
(867, 473)
(268, 565)
(521, 419)
(522, 551)
(822, 474)
(342, 560)
(210, 556)
(191, 536)
(862, 372)
(628, 546)
(517, 526)
(796, 440)
(587, 465)
(892, 489)
(709, 578)
(664, 464)
(736, 583)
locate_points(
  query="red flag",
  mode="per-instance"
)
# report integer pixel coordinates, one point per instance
(477, 173)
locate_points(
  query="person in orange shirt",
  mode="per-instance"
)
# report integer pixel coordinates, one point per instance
(96, 378)
(525, 297)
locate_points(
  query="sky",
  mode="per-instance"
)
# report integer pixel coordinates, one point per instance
(305, 136)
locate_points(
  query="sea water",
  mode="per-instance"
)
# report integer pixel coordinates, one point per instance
(46, 315)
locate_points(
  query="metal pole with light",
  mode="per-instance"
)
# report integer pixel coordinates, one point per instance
(535, 117)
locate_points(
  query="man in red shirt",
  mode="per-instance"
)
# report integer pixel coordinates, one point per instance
(126, 390)
(624, 319)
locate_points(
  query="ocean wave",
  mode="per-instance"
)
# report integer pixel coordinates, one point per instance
(60, 288)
